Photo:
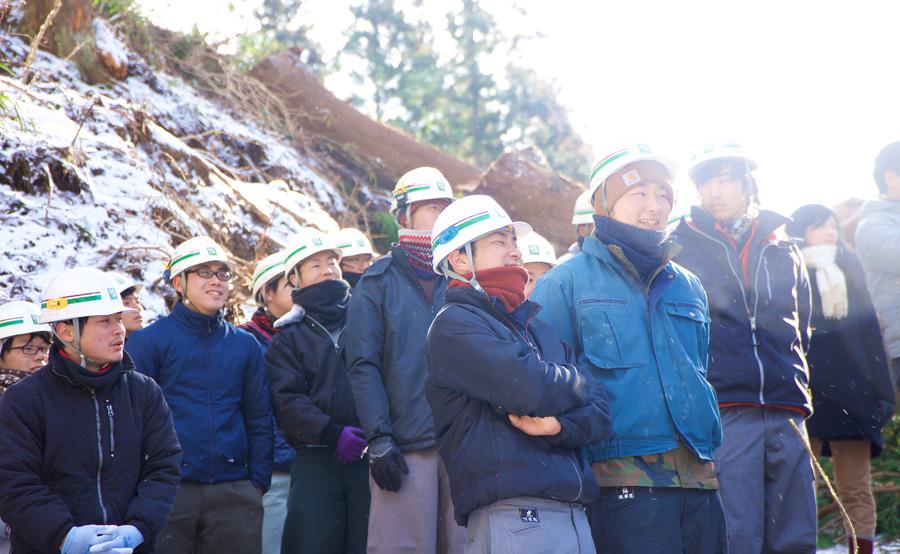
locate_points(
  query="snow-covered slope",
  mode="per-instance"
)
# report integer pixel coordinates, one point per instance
(136, 167)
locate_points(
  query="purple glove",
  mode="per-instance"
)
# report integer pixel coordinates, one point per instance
(350, 445)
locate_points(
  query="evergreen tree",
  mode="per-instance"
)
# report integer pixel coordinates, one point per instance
(280, 28)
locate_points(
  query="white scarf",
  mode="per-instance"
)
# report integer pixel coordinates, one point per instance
(829, 278)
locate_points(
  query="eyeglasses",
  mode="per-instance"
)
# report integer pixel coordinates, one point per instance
(31, 350)
(206, 273)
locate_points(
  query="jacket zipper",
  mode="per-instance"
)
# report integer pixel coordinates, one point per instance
(112, 428)
(99, 454)
(334, 339)
(762, 377)
(754, 341)
(577, 476)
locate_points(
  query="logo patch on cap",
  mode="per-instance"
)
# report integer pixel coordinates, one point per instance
(112, 294)
(631, 178)
(317, 241)
(211, 251)
(34, 319)
(534, 250)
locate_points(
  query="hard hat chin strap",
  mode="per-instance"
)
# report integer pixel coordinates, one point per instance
(183, 294)
(448, 270)
(76, 344)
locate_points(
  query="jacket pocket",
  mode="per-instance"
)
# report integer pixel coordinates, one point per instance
(608, 333)
(692, 328)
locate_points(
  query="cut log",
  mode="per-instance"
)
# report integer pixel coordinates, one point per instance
(535, 194)
(382, 150)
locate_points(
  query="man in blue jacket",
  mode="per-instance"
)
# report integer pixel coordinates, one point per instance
(511, 412)
(760, 306)
(213, 378)
(88, 453)
(640, 327)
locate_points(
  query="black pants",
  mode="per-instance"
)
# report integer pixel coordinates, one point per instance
(328, 506)
(212, 519)
(639, 520)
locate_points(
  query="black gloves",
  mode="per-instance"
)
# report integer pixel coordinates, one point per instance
(386, 463)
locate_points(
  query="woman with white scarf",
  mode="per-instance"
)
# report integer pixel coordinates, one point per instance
(849, 377)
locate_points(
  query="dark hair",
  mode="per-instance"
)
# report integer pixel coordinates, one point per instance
(6, 344)
(82, 321)
(807, 217)
(887, 160)
(127, 292)
(271, 286)
(739, 169)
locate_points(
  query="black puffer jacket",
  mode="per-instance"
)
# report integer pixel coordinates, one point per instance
(759, 307)
(485, 364)
(387, 324)
(308, 379)
(79, 449)
(848, 368)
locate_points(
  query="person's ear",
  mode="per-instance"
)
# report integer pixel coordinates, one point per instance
(65, 331)
(459, 261)
(176, 284)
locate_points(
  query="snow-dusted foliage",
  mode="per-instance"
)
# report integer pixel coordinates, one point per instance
(135, 167)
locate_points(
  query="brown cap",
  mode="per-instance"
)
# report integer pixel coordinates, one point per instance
(617, 184)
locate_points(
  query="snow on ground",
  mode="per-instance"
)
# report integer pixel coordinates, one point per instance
(128, 185)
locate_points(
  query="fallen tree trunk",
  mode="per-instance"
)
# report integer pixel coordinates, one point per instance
(384, 151)
(533, 193)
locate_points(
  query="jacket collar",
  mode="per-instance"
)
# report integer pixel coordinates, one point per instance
(296, 315)
(494, 306)
(76, 376)
(769, 222)
(203, 324)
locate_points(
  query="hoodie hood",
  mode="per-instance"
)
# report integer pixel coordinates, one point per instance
(880, 205)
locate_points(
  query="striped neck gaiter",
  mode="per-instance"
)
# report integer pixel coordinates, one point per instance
(417, 246)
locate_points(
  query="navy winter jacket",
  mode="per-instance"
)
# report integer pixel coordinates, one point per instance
(387, 323)
(284, 452)
(213, 378)
(78, 449)
(485, 364)
(308, 375)
(759, 307)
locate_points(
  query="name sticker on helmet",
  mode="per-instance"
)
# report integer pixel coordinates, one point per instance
(56, 303)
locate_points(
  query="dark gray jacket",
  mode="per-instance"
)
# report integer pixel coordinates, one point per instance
(878, 247)
(387, 324)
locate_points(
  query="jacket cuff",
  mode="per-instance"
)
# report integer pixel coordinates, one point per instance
(142, 528)
(331, 433)
(60, 536)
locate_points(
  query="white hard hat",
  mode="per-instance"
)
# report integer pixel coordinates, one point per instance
(466, 220)
(418, 185)
(124, 282)
(268, 268)
(307, 242)
(193, 252)
(536, 248)
(80, 292)
(719, 151)
(352, 242)
(621, 157)
(584, 209)
(20, 318)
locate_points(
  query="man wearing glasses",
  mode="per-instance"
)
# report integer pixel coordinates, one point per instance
(24, 343)
(212, 377)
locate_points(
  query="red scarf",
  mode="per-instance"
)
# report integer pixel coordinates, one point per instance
(505, 282)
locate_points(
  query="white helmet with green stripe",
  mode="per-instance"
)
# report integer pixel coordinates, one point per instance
(352, 242)
(269, 268)
(418, 185)
(621, 157)
(720, 151)
(124, 282)
(465, 221)
(536, 249)
(80, 292)
(20, 318)
(307, 242)
(584, 210)
(193, 252)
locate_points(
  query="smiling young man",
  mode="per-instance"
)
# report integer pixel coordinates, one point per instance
(759, 306)
(640, 328)
(328, 505)
(392, 306)
(511, 410)
(213, 378)
(88, 452)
